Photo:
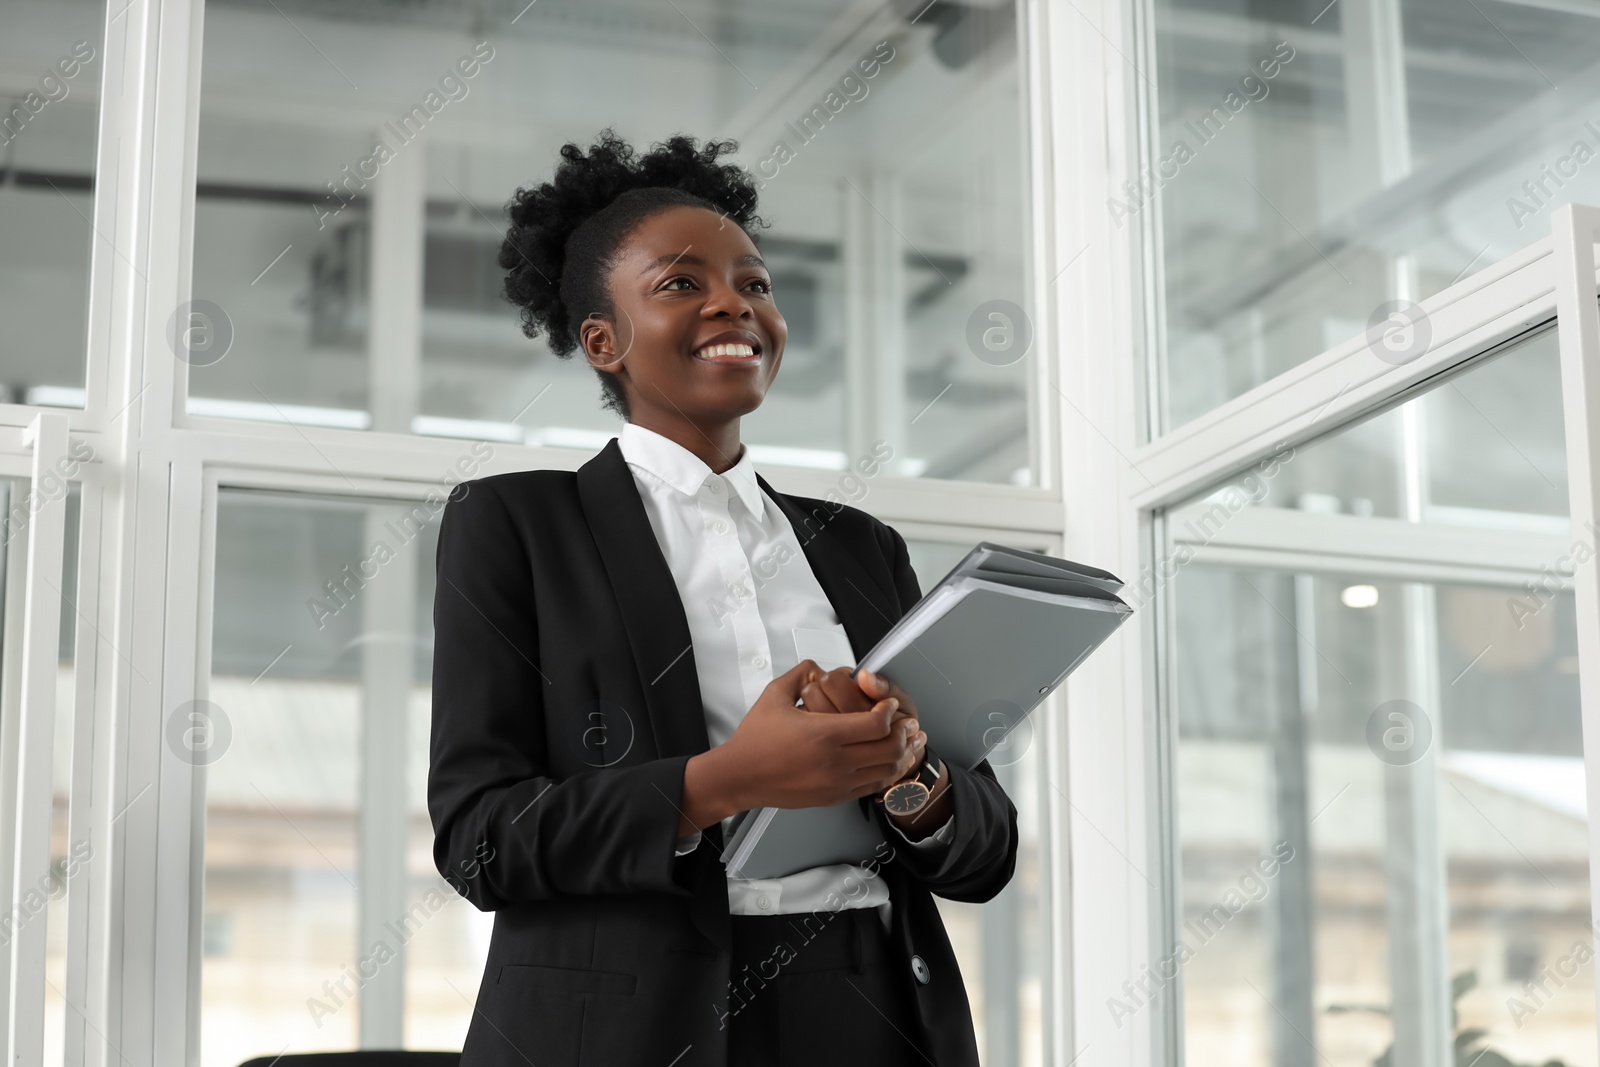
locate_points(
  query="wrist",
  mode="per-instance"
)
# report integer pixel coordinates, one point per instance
(718, 786)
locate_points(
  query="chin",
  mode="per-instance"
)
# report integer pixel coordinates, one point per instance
(741, 403)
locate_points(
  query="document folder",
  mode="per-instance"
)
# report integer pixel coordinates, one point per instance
(977, 655)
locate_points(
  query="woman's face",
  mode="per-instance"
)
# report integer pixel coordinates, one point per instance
(695, 332)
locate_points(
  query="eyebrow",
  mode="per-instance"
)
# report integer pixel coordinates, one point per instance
(685, 257)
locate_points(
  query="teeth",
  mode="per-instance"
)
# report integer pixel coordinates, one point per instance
(730, 350)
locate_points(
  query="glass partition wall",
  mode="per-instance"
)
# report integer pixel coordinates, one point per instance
(1357, 785)
(353, 168)
(350, 183)
(1402, 748)
(1358, 780)
(54, 60)
(281, 340)
(1313, 168)
(272, 260)
(1369, 738)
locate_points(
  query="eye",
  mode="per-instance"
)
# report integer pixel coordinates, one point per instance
(764, 285)
(672, 282)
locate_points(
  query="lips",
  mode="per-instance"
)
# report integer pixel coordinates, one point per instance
(736, 348)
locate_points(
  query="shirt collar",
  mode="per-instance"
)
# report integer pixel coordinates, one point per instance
(686, 472)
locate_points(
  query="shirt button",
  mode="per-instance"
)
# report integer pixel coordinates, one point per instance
(760, 661)
(720, 526)
(763, 903)
(920, 970)
(714, 485)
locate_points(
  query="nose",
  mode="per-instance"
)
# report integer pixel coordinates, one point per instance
(724, 301)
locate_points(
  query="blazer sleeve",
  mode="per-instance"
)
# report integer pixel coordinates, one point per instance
(982, 855)
(505, 831)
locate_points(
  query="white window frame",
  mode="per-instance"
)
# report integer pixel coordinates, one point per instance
(149, 509)
(148, 536)
(1119, 739)
(1115, 862)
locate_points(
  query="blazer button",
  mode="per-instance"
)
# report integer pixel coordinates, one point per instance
(920, 969)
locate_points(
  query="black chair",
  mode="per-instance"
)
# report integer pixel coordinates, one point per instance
(364, 1058)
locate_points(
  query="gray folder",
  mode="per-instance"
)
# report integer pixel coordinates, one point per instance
(977, 654)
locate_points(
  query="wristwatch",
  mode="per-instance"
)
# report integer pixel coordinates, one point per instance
(907, 796)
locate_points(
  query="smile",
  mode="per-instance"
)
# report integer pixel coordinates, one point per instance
(736, 353)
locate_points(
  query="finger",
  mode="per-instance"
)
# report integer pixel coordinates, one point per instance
(901, 765)
(913, 756)
(881, 776)
(881, 688)
(872, 725)
(890, 689)
(843, 691)
(790, 681)
(871, 684)
(813, 697)
(882, 751)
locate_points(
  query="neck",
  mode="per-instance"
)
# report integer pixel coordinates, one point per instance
(717, 446)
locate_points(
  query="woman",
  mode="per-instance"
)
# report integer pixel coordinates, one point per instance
(627, 656)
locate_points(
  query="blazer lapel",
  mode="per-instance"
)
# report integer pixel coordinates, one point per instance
(652, 611)
(658, 631)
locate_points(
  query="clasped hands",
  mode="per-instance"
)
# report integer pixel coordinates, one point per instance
(839, 692)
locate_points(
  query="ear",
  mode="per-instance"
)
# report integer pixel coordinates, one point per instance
(597, 336)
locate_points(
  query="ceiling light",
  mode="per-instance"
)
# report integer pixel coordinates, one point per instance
(1359, 596)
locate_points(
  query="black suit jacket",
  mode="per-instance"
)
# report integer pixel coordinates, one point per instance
(565, 705)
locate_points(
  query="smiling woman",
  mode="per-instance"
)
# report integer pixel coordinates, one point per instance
(565, 599)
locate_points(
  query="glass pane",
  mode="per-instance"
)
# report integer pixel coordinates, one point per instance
(323, 622)
(1489, 452)
(49, 116)
(998, 944)
(1304, 833)
(1319, 169)
(897, 245)
(1379, 795)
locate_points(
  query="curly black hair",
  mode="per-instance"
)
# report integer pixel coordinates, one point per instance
(564, 234)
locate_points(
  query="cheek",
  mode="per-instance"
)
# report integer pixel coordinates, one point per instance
(777, 329)
(647, 333)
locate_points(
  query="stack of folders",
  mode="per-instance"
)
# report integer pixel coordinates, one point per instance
(976, 655)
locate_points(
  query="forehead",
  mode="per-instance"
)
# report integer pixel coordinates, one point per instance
(692, 233)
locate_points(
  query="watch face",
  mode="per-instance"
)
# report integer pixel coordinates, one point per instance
(905, 798)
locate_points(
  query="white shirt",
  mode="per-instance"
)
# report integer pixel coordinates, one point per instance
(719, 536)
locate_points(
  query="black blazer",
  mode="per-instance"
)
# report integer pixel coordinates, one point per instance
(565, 706)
